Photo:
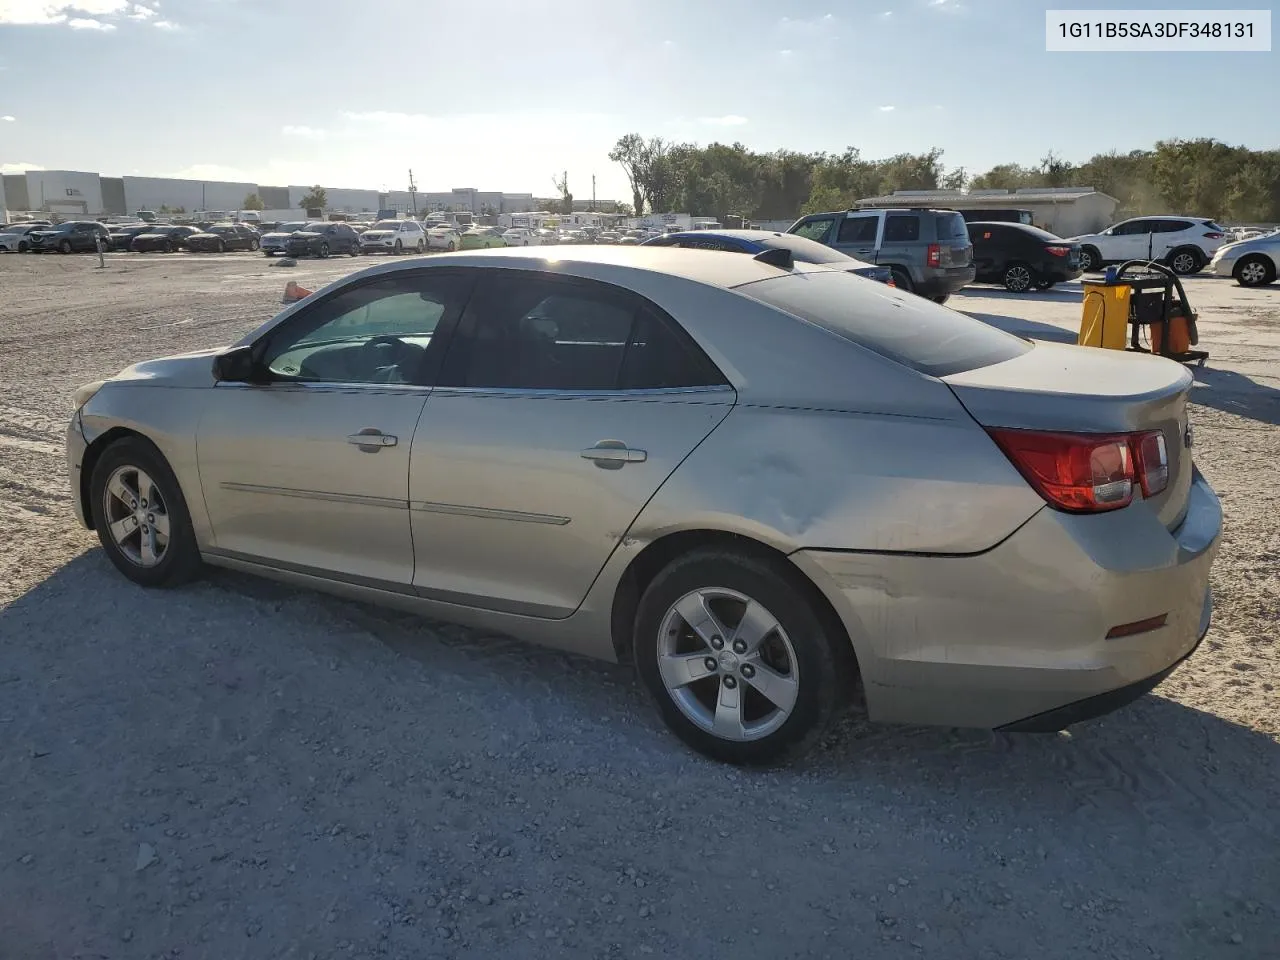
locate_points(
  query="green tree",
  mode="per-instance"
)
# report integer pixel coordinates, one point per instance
(252, 202)
(316, 198)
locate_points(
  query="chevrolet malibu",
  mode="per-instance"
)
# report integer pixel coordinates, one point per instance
(769, 484)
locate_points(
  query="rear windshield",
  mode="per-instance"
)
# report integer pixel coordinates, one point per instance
(1033, 232)
(387, 225)
(910, 330)
(951, 226)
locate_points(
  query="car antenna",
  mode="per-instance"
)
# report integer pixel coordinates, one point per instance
(779, 257)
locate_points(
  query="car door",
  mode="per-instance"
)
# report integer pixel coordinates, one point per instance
(1167, 234)
(563, 406)
(858, 235)
(815, 228)
(1129, 240)
(989, 251)
(309, 469)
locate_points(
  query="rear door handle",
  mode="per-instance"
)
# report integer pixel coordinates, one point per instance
(371, 440)
(613, 454)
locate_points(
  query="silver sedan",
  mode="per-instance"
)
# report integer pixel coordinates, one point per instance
(776, 487)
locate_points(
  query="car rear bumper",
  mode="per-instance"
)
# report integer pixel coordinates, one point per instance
(944, 281)
(1016, 637)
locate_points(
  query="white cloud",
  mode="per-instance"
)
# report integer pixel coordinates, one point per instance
(19, 167)
(83, 23)
(8, 118)
(728, 120)
(888, 108)
(166, 25)
(77, 14)
(809, 25)
(785, 53)
(947, 6)
(307, 133)
(138, 12)
(887, 14)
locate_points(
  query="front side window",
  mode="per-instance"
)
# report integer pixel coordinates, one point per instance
(1132, 227)
(814, 229)
(373, 333)
(531, 333)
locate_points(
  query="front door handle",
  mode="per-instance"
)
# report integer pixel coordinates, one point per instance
(613, 454)
(371, 440)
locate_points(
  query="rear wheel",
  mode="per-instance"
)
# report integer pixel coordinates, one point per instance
(452, 246)
(742, 663)
(253, 245)
(421, 247)
(23, 246)
(166, 247)
(64, 246)
(1018, 278)
(324, 250)
(1254, 270)
(902, 280)
(222, 247)
(1090, 259)
(398, 248)
(1186, 261)
(141, 516)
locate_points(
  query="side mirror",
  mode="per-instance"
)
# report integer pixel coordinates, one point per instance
(235, 366)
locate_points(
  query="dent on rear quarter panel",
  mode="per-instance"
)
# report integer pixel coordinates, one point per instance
(845, 481)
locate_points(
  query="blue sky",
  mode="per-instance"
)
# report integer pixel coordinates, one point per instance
(501, 94)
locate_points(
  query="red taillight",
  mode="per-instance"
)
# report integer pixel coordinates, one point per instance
(1088, 472)
(935, 255)
(1057, 251)
(1213, 236)
(1077, 472)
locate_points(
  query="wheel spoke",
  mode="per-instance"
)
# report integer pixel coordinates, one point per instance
(122, 528)
(756, 624)
(146, 489)
(728, 721)
(680, 670)
(695, 612)
(120, 490)
(148, 550)
(777, 688)
(161, 525)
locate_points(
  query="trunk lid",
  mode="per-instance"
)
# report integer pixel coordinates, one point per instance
(1058, 387)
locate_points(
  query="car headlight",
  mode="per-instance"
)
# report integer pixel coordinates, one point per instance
(84, 394)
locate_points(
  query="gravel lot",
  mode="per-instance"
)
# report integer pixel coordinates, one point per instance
(238, 769)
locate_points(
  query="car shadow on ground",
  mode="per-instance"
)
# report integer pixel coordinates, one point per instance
(1022, 327)
(1062, 293)
(1233, 392)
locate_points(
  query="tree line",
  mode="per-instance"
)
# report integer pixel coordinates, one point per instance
(1200, 177)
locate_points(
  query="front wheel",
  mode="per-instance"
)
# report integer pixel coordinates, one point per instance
(64, 246)
(222, 247)
(253, 245)
(1254, 270)
(323, 251)
(421, 247)
(1018, 278)
(141, 516)
(1185, 262)
(743, 663)
(1090, 260)
(23, 246)
(398, 248)
(452, 246)
(166, 247)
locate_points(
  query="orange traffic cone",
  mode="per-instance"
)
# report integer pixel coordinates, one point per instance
(293, 293)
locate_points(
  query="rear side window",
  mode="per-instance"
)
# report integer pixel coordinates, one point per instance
(950, 226)
(903, 229)
(907, 329)
(858, 230)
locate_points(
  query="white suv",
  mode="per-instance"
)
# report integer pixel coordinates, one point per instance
(394, 236)
(1186, 244)
(521, 237)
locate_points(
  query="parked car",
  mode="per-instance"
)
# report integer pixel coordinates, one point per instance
(163, 239)
(1186, 244)
(443, 237)
(608, 236)
(122, 237)
(1254, 262)
(997, 215)
(520, 237)
(394, 236)
(547, 238)
(74, 236)
(321, 238)
(225, 236)
(991, 532)
(1021, 257)
(273, 241)
(15, 237)
(928, 250)
(757, 241)
(478, 238)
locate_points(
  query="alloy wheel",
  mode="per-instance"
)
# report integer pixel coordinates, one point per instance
(137, 516)
(1183, 263)
(727, 664)
(1253, 273)
(1086, 261)
(1017, 278)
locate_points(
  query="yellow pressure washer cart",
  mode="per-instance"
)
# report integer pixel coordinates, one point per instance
(1137, 294)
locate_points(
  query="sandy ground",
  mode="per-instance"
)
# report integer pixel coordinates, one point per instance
(238, 769)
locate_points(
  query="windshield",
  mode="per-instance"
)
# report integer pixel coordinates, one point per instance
(314, 226)
(291, 226)
(386, 225)
(951, 226)
(910, 330)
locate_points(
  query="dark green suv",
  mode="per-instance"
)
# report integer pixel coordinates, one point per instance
(928, 250)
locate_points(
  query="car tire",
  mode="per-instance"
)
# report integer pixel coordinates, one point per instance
(1254, 270)
(166, 247)
(1090, 260)
(222, 247)
(254, 245)
(23, 246)
(421, 247)
(902, 280)
(64, 246)
(323, 251)
(397, 249)
(452, 246)
(149, 558)
(1018, 277)
(804, 656)
(354, 251)
(1185, 261)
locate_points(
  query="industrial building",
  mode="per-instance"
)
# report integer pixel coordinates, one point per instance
(73, 193)
(1066, 211)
